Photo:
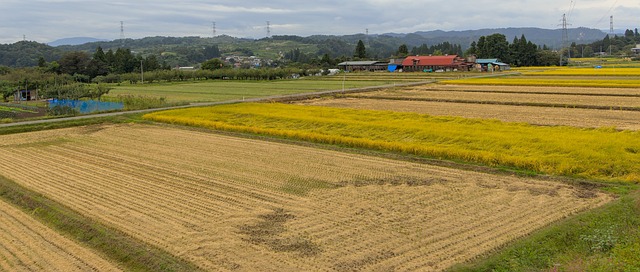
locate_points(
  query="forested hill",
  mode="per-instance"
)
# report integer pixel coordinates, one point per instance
(26, 53)
(189, 51)
(550, 37)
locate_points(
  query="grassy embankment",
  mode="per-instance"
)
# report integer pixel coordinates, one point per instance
(603, 154)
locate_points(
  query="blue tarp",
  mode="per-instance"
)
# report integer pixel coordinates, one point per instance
(87, 106)
(392, 67)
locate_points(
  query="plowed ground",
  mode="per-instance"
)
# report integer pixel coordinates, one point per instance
(229, 203)
(28, 245)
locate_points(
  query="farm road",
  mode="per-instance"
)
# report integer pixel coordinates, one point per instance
(258, 99)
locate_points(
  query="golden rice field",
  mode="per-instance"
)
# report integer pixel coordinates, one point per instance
(604, 154)
(28, 245)
(234, 204)
(545, 116)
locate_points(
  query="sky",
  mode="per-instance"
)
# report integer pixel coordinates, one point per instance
(48, 20)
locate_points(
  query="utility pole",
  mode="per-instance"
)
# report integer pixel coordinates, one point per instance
(141, 72)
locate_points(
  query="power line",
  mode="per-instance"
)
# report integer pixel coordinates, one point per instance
(608, 13)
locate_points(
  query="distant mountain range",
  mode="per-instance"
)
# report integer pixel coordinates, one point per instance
(75, 41)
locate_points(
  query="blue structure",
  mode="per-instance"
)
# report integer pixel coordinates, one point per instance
(86, 106)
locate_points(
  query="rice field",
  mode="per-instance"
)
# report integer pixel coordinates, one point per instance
(228, 204)
(562, 81)
(604, 154)
(548, 99)
(28, 245)
(591, 72)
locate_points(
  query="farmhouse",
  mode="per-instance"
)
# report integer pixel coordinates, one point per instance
(636, 50)
(363, 66)
(490, 65)
(435, 63)
(25, 95)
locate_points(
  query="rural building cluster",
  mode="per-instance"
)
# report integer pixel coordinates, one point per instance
(446, 63)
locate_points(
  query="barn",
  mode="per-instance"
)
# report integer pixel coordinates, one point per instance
(25, 95)
(636, 50)
(435, 63)
(490, 65)
(363, 66)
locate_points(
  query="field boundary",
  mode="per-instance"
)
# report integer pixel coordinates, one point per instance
(115, 245)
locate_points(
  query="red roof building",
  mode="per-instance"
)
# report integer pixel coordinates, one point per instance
(434, 63)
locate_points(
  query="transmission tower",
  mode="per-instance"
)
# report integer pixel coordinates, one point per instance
(565, 39)
(610, 35)
(366, 36)
(122, 32)
(268, 29)
(214, 30)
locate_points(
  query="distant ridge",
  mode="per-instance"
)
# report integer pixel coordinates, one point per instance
(539, 36)
(75, 41)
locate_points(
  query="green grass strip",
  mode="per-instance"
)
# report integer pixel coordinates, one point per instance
(604, 154)
(132, 254)
(603, 239)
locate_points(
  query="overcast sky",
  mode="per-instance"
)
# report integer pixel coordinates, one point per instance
(48, 20)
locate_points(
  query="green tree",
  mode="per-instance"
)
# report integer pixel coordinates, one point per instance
(75, 62)
(473, 49)
(98, 65)
(403, 51)
(361, 51)
(210, 52)
(212, 64)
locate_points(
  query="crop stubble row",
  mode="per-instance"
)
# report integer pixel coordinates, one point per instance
(28, 245)
(193, 193)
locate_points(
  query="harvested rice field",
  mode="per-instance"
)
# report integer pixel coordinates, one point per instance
(227, 203)
(28, 245)
(598, 99)
(547, 106)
